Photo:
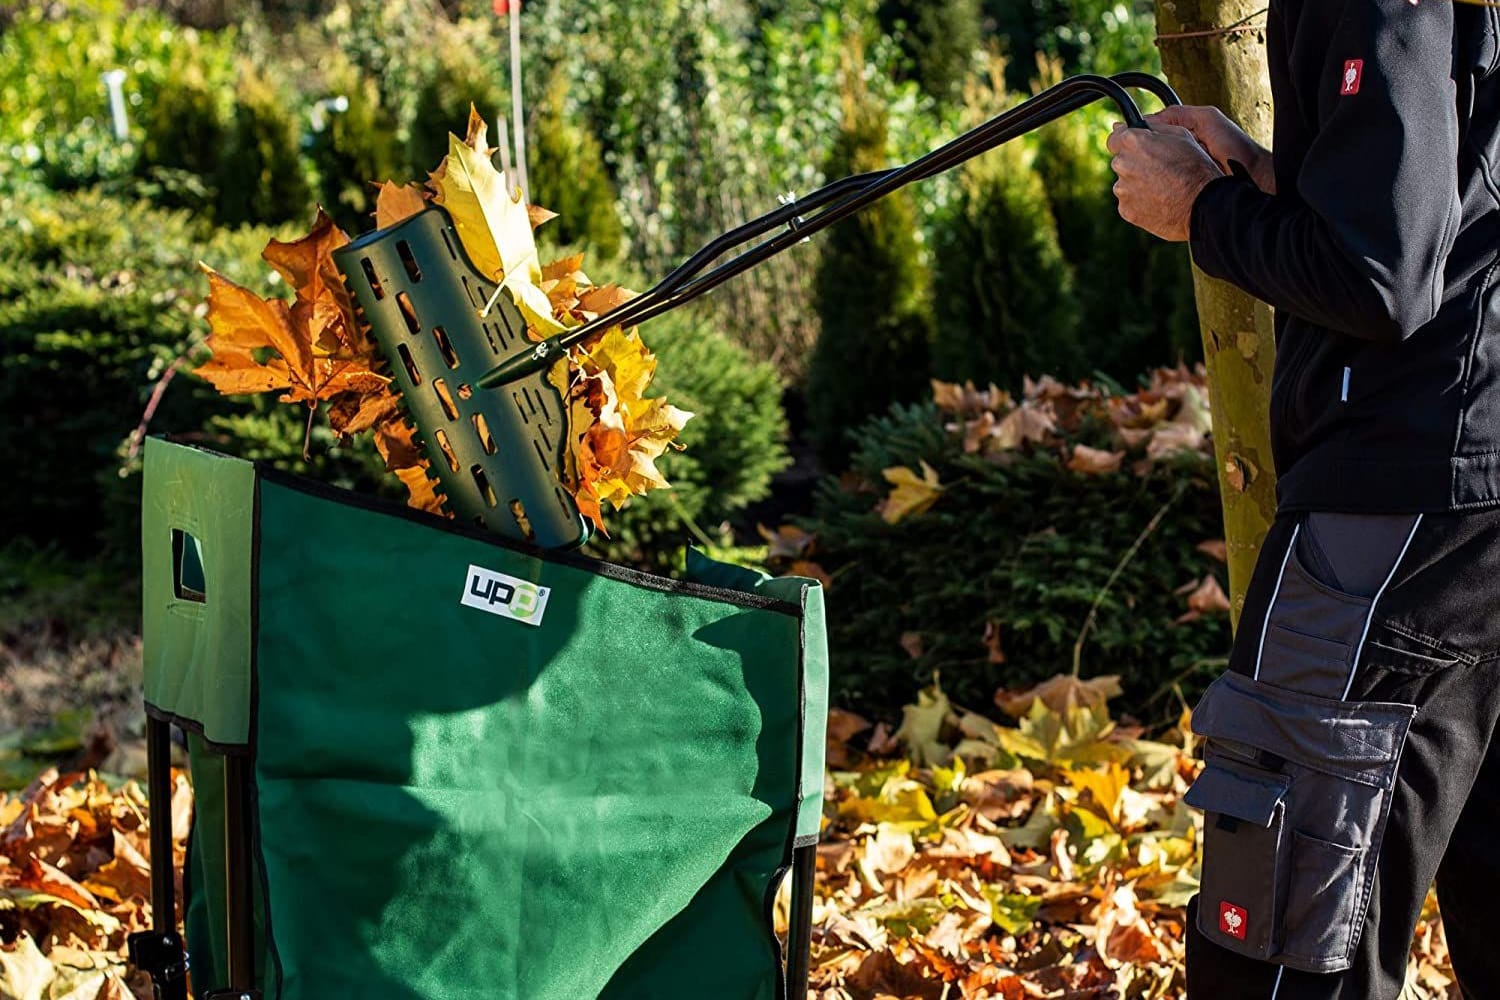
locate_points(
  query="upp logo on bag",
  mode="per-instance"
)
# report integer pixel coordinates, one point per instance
(1233, 920)
(505, 596)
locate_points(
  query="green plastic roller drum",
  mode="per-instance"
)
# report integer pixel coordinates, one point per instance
(496, 453)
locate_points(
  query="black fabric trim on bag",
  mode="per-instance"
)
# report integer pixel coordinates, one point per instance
(598, 567)
(196, 728)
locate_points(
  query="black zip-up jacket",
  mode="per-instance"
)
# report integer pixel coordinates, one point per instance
(1378, 253)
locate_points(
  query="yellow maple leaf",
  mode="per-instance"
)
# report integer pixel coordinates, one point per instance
(616, 433)
(493, 224)
(909, 495)
(1107, 785)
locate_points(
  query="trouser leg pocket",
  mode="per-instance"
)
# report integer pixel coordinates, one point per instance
(1245, 808)
(1296, 795)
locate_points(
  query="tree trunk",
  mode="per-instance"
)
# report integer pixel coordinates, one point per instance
(1228, 70)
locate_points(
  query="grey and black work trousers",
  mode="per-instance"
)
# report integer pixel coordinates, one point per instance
(1350, 762)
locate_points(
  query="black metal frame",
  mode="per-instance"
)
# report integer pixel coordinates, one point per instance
(161, 953)
(799, 928)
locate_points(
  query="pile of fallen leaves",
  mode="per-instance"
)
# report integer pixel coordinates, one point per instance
(314, 352)
(75, 882)
(1049, 856)
(1168, 416)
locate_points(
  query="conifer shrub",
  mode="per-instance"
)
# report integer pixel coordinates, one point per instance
(1004, 293)
(262, 176)
(355, 148)
(994, 584)
(98, 297)
(1134, 292)
(568, 176)
(455, 80)
(939, 39)
(871, 295)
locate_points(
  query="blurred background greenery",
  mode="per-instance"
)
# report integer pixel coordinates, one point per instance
(651, 130)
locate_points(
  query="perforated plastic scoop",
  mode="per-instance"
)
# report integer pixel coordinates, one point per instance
(496, 454)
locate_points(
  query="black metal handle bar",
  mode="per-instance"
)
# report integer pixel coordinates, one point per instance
(1025, 118)
(1078, 92)
(843, 198)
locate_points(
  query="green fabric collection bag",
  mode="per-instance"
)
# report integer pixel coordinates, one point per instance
(478, 770)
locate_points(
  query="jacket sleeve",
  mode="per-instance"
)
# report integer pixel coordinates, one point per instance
(1360, 245)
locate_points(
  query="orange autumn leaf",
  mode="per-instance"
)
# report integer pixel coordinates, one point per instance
(396, 202)
(539, 216)
(307, 265)
(812, 571)
(1060, 693)
(616, 433)
(1204, 597)
(1094, 461)
(423, 494)
(599, 300)
(38, 875)
(355, 412)
(311, 349)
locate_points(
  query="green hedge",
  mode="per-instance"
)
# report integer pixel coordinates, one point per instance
(1020, 541)
(97, 298)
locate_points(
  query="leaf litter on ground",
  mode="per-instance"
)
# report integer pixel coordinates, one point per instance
(1048, 855)
(1045, 853)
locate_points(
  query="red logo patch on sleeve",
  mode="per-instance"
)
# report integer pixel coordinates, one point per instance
(1354, 71)
(1233, 920)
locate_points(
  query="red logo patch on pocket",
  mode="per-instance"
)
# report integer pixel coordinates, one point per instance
(1233, 920)
(1354, 72)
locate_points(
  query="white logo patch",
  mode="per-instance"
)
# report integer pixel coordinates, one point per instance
(505, 596)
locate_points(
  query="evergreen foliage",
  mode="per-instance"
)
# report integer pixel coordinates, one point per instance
(97, 298)
(1005, 296)
(354, 148)
(567, 175)
(1027, 546)
(457, 80)
(1080, 36)
(872, 295)
(186, 131)
(939, 39)
(262, 177)
(1134, 291)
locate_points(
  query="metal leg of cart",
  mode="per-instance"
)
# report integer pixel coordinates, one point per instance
(239, 910)
(159, 952)
(799, 934)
